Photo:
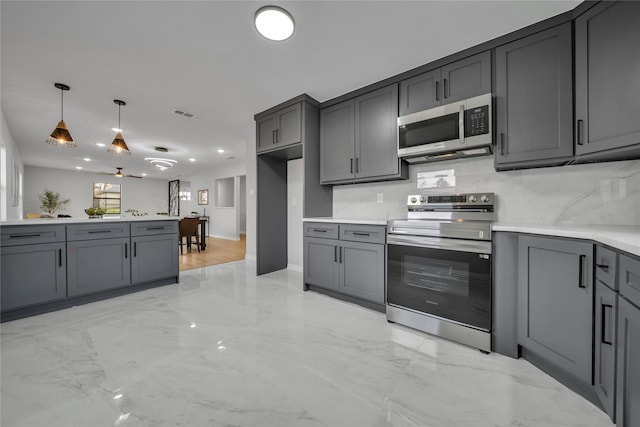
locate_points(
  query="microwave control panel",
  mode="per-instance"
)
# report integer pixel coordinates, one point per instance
(476, 121)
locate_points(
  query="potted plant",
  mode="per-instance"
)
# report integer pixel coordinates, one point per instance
(51, 202)
(95, 212)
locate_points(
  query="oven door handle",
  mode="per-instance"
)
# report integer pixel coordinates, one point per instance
(472, 246)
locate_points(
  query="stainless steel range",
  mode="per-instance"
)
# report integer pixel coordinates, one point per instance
(439, 267)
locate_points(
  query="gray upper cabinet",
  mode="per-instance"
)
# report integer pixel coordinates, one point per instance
(607, 59)
(358, 139)
(337, 147)
(279, 129)
(628, 368)
(534, 100)
(459, 80)
(555, 302)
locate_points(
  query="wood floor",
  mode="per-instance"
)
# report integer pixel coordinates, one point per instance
(218, 251)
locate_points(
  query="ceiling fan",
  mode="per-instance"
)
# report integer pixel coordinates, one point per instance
(119, 174)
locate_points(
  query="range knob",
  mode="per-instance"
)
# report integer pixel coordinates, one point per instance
(423, 199)
(472, 198)
(413, 199)
(484, 198)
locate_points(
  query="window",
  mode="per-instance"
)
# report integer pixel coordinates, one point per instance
(107, 197)
(185, 195)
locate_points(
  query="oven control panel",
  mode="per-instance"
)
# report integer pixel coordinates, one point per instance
(453, 201)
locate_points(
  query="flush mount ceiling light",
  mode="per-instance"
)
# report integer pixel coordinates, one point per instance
(118, 146)
(162, 164)
(274, 23)
(60, 135)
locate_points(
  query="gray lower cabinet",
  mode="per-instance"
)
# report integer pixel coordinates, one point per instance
(607, 61)
(321, 266)
(358, 139)
(555, 302)
(352, 264)
(98, 265)
(362, 270)
(628, 368)
(154, 252)
(534, 100)
(604, 363)
(33, 274)
(33, 266)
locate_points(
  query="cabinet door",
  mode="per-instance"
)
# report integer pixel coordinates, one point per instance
(33, 274)
(97, 265)
(289, 126)
(362, 270)
(321, 263)
(534, 99)
(420, 92)
(376, 133)
(604, 366)
(555, 302)
(628, 369)
(337, 142)
(154, 257)
(607, 67)
(466, 78)
(266, 133)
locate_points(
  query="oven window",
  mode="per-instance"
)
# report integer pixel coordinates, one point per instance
(438, 129)
(450, 284)
(435, 275)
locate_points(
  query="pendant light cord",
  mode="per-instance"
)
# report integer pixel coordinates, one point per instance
(61, 105)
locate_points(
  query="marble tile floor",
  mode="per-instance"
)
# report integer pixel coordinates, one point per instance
(227, 348)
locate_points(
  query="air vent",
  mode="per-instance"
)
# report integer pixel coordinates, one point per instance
(186, 114)
(162, 149)
(230, 157)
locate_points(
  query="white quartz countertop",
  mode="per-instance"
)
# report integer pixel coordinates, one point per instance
(65, 221)
(623, 237)
(347, 221)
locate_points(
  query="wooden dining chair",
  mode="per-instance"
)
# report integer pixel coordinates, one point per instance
(189, 229)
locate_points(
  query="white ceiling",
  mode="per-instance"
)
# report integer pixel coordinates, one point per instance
(205, 57)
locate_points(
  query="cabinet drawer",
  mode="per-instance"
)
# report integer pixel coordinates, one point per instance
(363, 233)
(97, 231)
(629, 279)
(146, 228)
(32, 234)
(606, 266)
(321, 229)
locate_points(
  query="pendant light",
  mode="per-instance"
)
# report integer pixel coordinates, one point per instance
(118, 146)
(61, 136)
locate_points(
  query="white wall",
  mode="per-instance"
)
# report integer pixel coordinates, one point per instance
(145, 195)
(251, 189)
(601, 193)
(10, 158)
(243, 204)
(295, 175)
(223, 222)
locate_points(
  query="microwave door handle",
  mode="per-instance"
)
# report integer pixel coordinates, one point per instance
(461, 124)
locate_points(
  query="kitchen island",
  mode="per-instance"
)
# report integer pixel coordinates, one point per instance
(50, 264)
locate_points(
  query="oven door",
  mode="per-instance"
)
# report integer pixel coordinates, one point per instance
(447, 278)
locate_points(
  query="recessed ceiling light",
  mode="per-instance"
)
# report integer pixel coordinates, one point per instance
(192, 159)
(274, 23)
(116, 130)
(100, 144)
(220, 150)
(86, 159)
(78, 167)
(143, 174)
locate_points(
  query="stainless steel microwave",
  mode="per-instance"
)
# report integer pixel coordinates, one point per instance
(460, 129)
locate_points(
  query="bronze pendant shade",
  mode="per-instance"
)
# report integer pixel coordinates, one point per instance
(118, 146)
(61, 136)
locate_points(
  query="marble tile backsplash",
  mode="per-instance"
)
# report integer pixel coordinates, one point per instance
(601, 193)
